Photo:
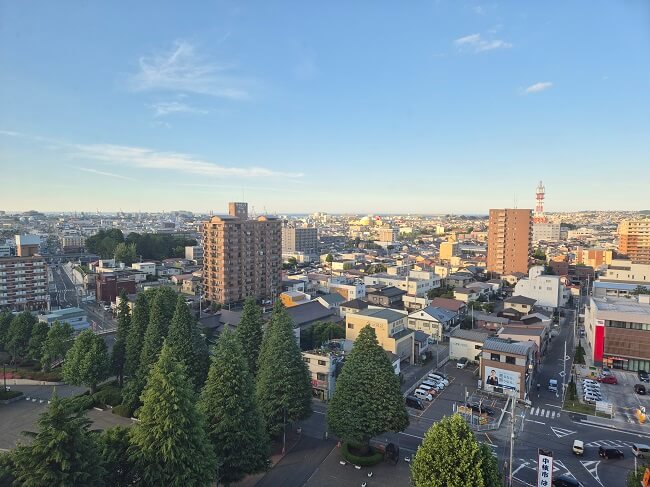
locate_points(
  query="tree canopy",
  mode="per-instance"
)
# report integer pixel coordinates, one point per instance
(169, 445)
(367, 400)
(450, 456)
(118, 358)
(235, 424)
(283, 382)
(250, 334)
(57, 343)
(86, 363)
(63, 452)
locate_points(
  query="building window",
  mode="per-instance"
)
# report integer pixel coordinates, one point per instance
(350, 326)
(320, 376)
(477, 347)
(322, 362)
(511, 360)
(306, 360)
(495, 357)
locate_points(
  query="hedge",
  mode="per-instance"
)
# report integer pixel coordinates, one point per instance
(78, 403)
(111, 396)
(373, 459)
(122, 410)
(4, 395)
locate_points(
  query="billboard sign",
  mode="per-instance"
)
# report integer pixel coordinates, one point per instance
(544, 468)
(506, 379)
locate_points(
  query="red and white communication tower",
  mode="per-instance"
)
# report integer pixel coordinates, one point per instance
(539, 208)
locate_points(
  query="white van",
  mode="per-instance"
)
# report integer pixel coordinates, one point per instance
(578, 447)
(438, 386)
(426, 388)
(422, 394)
(438, 378)
(590, 397)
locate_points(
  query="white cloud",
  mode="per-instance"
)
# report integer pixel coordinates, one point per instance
(182, 69)
(537, 87)
(476, 43)
(103, 173)
(169, 107)
(144, 158)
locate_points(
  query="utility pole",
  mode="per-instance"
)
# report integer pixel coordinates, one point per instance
(512, 438)
(564, 372)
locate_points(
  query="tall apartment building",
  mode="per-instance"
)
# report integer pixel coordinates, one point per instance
(634, 240)
(241, 257)
(547, 232)
(23, 278)
(509, 240)
(299, 239)
(387, 234)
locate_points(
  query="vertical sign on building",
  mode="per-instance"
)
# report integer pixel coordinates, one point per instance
(544, 468)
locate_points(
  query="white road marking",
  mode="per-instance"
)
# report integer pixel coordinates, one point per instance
(561, 432)
(533, 421)
(548, 413)
(592, 467)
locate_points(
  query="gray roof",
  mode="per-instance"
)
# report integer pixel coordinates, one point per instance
(448, 303)
(471, 335)
(332, 299)
(355, 304)
(507, 346)
(305, 314)
(389, 291)
(525, 331)
(520, 300)
(420, 336)
(387, 314)
(441, 314)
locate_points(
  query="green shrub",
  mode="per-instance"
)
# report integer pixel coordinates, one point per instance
(122, 410)
(4, 395)
(111, 396)
(78, 403)
(374, 458)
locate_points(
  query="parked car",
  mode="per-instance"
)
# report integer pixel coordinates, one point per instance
(589, 381)
(608, 453)
(643, 376)
(640, 450)
(414, 402)
(639, 389)
(606, 371)
(592, 398)
(461, 363)
(565, 481)
(439, 377)
(438, 386)
(578, 447)
(608, 379)
(422, 394)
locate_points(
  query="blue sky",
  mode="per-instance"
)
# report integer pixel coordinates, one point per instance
(367, 106)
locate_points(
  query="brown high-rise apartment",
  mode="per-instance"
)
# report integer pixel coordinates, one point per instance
(242, 257)
(509, 240)
(634, 240)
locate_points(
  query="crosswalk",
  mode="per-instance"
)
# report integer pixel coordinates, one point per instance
(610, 444)
(544, 413)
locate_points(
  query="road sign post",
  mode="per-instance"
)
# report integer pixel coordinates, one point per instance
(544, 468)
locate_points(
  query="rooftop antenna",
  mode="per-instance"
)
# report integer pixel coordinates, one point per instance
(514, 198)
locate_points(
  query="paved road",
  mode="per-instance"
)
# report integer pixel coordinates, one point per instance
(299, 464)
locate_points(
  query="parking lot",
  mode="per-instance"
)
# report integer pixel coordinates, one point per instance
(624, 400)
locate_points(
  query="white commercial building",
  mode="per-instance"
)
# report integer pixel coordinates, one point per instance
(548, 291)
(417, 283)
(148, 268)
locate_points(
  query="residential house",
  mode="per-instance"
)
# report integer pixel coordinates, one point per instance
(332, 301)
(324, 366)
(465, 295)
(351, 307)
(433, 321)
(520, 303)
(388, 297)
(459, 279)
(390, 328)
(548, 292)
(455, 305)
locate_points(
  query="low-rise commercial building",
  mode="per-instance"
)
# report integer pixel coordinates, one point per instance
(466, 344)
(76, 317)
(548, 292)
(508, 366)
(618, 331)
(324, 366)
(108, 285)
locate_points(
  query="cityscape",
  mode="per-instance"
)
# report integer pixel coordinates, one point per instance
(274, 245)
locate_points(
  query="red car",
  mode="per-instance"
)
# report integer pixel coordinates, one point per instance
(608, 379)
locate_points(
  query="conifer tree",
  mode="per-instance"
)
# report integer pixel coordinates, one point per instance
(86, 363)
(135, 337)
(160, 316)
(235, 426)
(114, 449)
(169, 445)
(250, 333)
(63, 452)
(283, 384)
(367, 400)
(119, 347)
(57, 343)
